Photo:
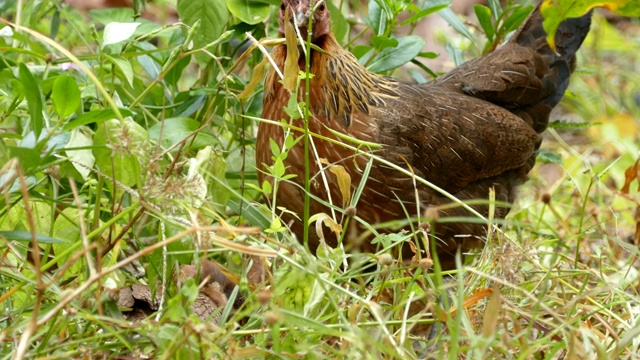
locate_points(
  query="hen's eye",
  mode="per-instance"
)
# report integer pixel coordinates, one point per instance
(321, 7)
(282, 7)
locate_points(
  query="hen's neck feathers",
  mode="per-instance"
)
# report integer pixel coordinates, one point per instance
(340, 86)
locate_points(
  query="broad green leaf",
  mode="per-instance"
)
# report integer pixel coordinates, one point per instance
(33, 94)
(377, 16)
(175, 73)
(391, 58)
(121, 147)
(339, 24)
(555, 11)
(81, 159)
(41, 213)
(174, 130)
(5, 5)
(212, 167)
(94, 117)
(213, 16)
(28, 158)
(249, 11)
(382, 42)
(109, 15)
(116, 32)
(65, 95)
(124, 66)
(12, 219)
(67, 228)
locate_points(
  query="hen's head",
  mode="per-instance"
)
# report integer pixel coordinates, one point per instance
(304, 11)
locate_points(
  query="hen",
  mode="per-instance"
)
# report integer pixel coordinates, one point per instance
(474, 129)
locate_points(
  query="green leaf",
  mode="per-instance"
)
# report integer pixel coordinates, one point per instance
(213, 16)
(26, 236)
(496, 7)
(95, 116)
(483, 14)
(81, 159)
(391, 58)
(109, 15)
(33, 94)
(450, 17)
(430, 9)
(516, 18)
(27, 157)
(123, 161)
(67, 228)
(249, 11)
(377, 16)
(382, 42)
(174, 130)
(124, 66)
(555, 11)
(175, 73)
(65, 95)
(116, 32)
(212, 167)
(548, 157)
(339, 24)
(570, 125)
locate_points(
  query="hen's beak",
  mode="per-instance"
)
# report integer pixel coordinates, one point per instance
(301, 14)
(302, 18)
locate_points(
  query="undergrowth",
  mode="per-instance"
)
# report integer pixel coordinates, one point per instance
(128, 152)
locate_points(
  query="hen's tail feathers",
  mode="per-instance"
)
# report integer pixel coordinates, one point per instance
(568, 39)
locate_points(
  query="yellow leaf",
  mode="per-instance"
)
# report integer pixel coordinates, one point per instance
(344, 183)
(322, 218)
(291, 68)
(492, 314)
(256, 78)
(555, 11)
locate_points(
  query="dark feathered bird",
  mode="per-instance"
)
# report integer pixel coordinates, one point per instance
(474, 129)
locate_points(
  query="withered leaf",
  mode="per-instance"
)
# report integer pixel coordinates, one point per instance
(256, 78)
(492, 313)
(291, 68)
(344, 183)
(632, 173)
(322, 218)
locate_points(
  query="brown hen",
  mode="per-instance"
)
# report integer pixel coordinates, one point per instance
(474, 129)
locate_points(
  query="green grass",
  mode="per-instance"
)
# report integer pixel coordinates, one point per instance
(135, 174)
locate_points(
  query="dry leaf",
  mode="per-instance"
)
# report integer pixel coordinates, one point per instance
(291, 68)
(470, 301)
(632, 173)
(492, 314)
(636, 237)
(344, 183)
(322, 218)
(256, 78)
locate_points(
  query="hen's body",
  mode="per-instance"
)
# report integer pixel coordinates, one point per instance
(474, 129)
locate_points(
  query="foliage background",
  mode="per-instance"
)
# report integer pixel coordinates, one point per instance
(127, 150)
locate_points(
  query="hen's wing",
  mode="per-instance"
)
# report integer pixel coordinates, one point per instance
(484, 118)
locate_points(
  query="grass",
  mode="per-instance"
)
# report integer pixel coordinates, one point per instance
(106, 204)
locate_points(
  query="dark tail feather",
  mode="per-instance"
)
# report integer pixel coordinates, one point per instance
(568, 39)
